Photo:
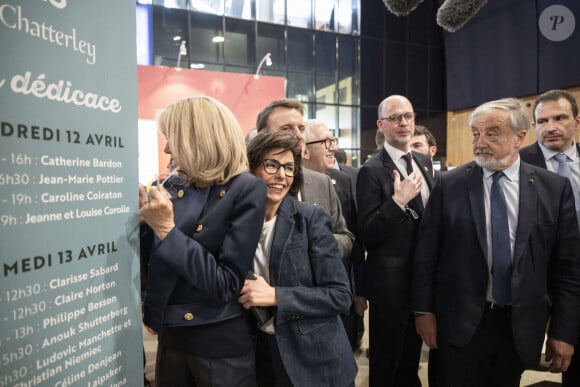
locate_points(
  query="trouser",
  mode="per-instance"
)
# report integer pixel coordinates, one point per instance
(490, 359)
(394, 347)
(175, 369)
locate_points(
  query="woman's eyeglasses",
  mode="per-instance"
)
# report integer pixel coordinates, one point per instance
(273, 166)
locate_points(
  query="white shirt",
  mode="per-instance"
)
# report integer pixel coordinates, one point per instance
(262, 255)
(397, 156)
(262, 262)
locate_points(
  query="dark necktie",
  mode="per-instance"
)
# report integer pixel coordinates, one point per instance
(418, 199)
(564, 170)
(409, 160)
(501, 252)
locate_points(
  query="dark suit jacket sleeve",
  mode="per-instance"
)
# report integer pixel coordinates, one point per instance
(427, 253)
(219, 276)
(343, 236)
(564, 273)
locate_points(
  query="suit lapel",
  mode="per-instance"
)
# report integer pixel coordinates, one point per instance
(312, 191)
(389, 164)
(426, 170)
(476, 203)
(282, 233)
(527, 205)
(537, 156)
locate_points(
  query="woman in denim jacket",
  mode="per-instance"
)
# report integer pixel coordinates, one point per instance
(301, 282)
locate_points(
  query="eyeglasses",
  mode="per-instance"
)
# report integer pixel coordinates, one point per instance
(273, 166)
(328, 142)
(397, 118)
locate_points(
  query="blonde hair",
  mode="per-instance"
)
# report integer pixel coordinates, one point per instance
(205, 140)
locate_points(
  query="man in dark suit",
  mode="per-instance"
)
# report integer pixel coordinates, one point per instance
(319, 152)
(358, 253)
(340, 165)
(556, 120)
(498, 255)
(424, 142)
(319, 156)
(392, 189)
(288, 114)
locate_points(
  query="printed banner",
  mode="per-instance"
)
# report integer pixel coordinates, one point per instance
(69, 269)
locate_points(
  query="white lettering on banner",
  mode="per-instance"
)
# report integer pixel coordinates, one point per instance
(61, 91)
(60, 4)
(11, 17)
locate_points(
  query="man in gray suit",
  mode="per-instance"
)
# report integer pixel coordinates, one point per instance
(318, 156)
(288, 114)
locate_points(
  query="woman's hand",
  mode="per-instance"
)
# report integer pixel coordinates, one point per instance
(156, 209)
(360, 305)
(149, 330)
(257, 292)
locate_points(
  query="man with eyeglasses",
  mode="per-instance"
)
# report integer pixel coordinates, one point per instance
(392, 189)
(319, 152)
(287, 114)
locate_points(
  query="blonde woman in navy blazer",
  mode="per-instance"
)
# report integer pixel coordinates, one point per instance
(306, 287)
(199, 236)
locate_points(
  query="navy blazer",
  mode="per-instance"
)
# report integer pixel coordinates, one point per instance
(196, 273)
(450, 275)
(312, 290)
(387, 232)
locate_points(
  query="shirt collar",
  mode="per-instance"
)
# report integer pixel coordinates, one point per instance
(393, 152)
(512, 172)
(570, 152)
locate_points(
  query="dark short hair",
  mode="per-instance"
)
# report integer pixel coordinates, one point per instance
(555, 95)
(340, 156)
(267, 140)
(422, 130)
(262, 120)
(379, 138)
